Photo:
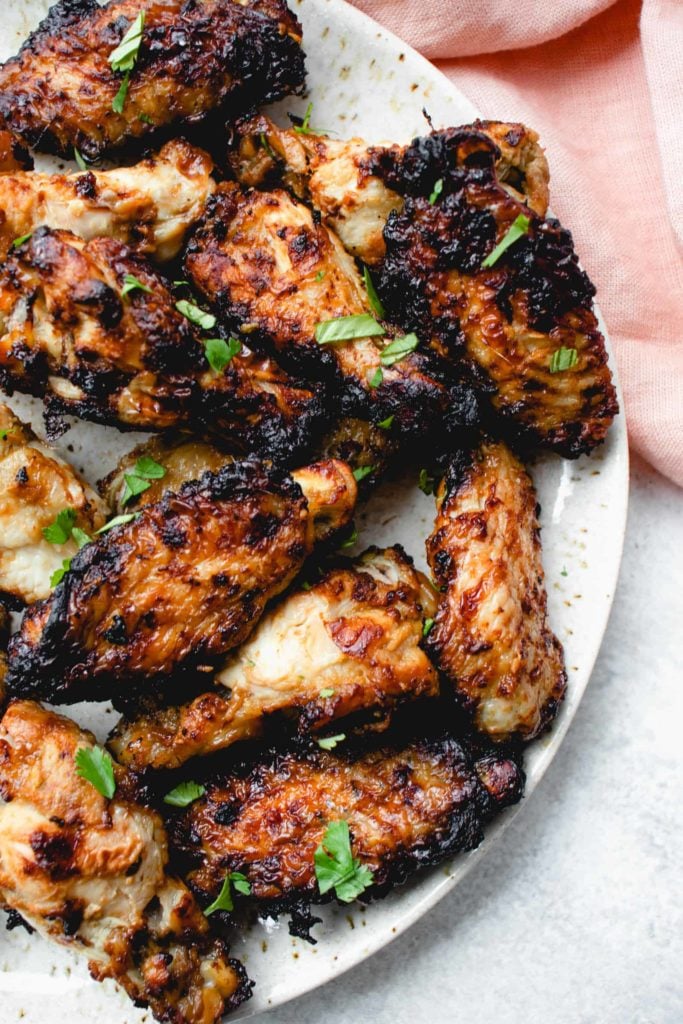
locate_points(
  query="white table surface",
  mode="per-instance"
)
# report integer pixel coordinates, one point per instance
(575, 916)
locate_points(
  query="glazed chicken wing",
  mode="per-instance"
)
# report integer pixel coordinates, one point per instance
(71, 332)
(91, 873)
(491, 636)
(36, 485)
(524, 325)
(193, 56)
(406, 806)
(347, 645)
(337, 177)
(177, 586)
(263, 262)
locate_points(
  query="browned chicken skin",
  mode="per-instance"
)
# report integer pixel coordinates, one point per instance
(149, 206)
(13, 155)
(407, 806)
(349, 644)
(508, 323)
(263, 263)
(4, 637)
(195, 56)
(491, 636)
(91, 873)
(179, 585)
(67, 332)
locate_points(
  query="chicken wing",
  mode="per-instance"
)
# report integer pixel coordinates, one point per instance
(262, 261)
(149, 206)
(337, 177)
(61, 90)
(524, 324)
(177, 586)
(36, 485)
(347, 645)
(70, 331)
(91, 873)
(491, 636)
(407, 806)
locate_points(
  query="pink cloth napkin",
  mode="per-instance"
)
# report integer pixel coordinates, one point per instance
(602, 83)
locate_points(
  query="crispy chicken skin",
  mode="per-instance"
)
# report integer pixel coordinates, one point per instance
(491, 636)
(348, 645)
(337, 179)
(91, 873)
(504, 323)
(149, 206)
(261, 260)
(35, 486)
(195, 56)
(407, 807)
(13, 155)
(69, 334)
(178, 586)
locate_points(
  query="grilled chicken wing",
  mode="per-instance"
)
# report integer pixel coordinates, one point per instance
(69, 332)
(261, 260)
(60, 90)
(347, 645)
(525, 326)
(90, 873)
(35, 486)
(179, 585)
(491, 636)
(337, 178)
(407, 807)
(149, 206)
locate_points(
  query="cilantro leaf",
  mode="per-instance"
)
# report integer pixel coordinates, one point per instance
(21, 239)
(398, 349)
(80, 536)
(184, 794)
(563, 359)
(336, 867)
(327, 692)
(59, 574)
(320, 275)
(346, 328)
(224, 899)
(219, 353)
(78, 157)
(376, 378)
(362, 471)
(148, 469)
(119, 101)
(137, 482)
(425, 482)
(427, 627)
(192, 312)
(330, 742)
(436, 191)
(373, 298)
(131, 283)
(350, 540)
(125, 55)
(386, 424)
(117, 521)
(518, 228)
(96, 766)
(145, 118)
(59, 530)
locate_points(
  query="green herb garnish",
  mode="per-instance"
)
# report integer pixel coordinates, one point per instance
(425, 482)
(563, 359)
(427, 626)
(81, 537)
(219, 353)
(207, 321)
(96, 766)
(184, 794)
(376, 378)
(517, 230)
(320, 275)
(20, 241)
(330, 742)
(127, 517)
(145, 118)
(346, 328)
(59, 530)
(327, 692)
(436, 191)
(59, 574)
(362, 471)
(124, 58)
(224, 899)
(336, 867)
(373, 298)
(132, 284)
(137, 482)
(350, 540)
(398, 349)
(387, 423)
(564, 571)
(78, 157)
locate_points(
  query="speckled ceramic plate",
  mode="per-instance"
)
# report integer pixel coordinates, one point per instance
(363, 81)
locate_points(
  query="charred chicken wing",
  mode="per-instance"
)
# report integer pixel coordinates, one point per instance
(96, 77)
(179, 585)
(347, 645)
(91, 873)
(491, 636)
(97, 331)
(407, 807)
(36, 487)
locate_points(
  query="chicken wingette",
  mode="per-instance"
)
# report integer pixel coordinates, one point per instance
(407, 806)
(491, 635)
(177, 61)
(347, 645)
(178, 585)
(90, 873)
(336, 176)
(264, 264)
(97, 332)
(149, 206)
(37, 487)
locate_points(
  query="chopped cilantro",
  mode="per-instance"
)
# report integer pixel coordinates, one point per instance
(563, 359)
(207, 321)
(346, 328)
(362, 471)
(184, 794)
(517, 230)
(336, 867)
(219, 353)
(398, 349)
(330, 742)
(436, 191)
(224, 899)
(96, 766)
(373, 298)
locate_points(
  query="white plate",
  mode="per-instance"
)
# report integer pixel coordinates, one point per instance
(363, 81)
